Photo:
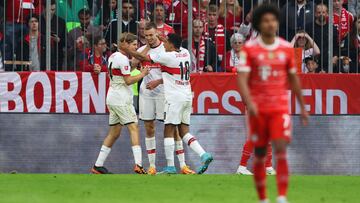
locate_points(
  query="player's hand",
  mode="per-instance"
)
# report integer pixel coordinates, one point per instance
(153, 84)
(209, 68)
(97, 68)
(162, 38)
(145, 71)
(304, 117)
(252, 109)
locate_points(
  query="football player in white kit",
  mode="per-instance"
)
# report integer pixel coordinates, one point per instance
(175, 69)
(119, 101)
(152, 101)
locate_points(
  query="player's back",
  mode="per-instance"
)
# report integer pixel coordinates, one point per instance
(119, 93)
(155, 73)
(176, 75)
(269, 67)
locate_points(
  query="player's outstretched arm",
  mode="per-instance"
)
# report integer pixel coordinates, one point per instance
(242, 80)
(296, 88)
(135, 62)
(129, 80)
(140, 56)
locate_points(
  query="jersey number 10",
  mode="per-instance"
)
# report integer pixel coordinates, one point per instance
(185, 70)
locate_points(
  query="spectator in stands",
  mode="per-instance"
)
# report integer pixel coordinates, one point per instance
(203, 10)
(246, 27)
(76, 40)
(33, 47)
(355, 46)
(354, 7)
(128, 23)
(17, 13)
(58, 32)
(95, 59)
(146, 6)
(343, 65)
(216, 32)
(311, 64)
(319, 31)
(141, 33)
(233, 56)
(106, 14)
(294, 16)
(69, 9)
(343, 21)
(178, 16)
(306, 43)
(203, 50)
(230, 15)
(158, 16)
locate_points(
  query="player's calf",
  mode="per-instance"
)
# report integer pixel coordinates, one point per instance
(259, 173)
(282, 176)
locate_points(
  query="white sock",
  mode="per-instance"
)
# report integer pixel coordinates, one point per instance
(151, 150)
(104, 153)
(137, 154)
(180, 153)
(193, 144)
(169, 146)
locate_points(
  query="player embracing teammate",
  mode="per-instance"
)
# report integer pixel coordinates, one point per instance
(175, 67)
(267, 66)
(152, 102)
(119, 101)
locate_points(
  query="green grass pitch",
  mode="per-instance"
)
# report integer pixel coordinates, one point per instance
(56, 188)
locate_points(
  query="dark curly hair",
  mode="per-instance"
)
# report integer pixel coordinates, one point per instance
(261, 10)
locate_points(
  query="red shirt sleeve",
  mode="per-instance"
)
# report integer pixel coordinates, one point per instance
(291, 61)
(245, 60)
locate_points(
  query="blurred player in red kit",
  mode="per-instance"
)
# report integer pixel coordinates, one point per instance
(267, 67)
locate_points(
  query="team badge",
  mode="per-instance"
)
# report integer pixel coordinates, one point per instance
(271, 55)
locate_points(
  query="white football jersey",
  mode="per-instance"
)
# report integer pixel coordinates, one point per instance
(155, 73)
(175, 67)
(119, 94)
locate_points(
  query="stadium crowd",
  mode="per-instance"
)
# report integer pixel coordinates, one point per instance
(84, 32)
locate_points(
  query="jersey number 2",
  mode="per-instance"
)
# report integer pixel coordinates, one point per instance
(185, 70)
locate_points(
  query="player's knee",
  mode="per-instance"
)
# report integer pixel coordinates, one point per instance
(183, 130)
(260, 151)
(133, 128)
(280, 146)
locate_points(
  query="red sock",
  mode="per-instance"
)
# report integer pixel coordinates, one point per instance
(260, 177)
(282, 173)
(246, 153)
(268, 162)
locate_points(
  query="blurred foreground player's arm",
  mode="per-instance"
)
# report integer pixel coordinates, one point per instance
(296, 88)
(243, 71)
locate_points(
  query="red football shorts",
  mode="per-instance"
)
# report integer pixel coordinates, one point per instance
(266, 127)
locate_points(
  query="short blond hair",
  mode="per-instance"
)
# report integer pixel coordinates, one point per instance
(127, 37)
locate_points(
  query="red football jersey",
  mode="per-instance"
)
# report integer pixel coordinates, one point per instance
(268, 66)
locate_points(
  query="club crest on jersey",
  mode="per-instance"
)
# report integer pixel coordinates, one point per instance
(281, 56)
(271, 55)
(261, 57)
(126, 67)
